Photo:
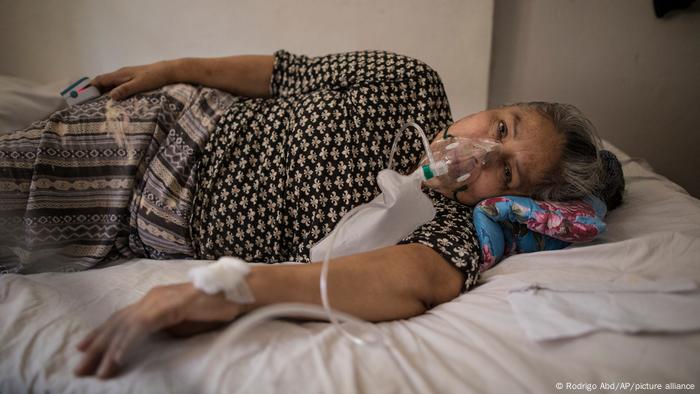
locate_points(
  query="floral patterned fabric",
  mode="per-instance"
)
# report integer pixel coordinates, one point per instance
(509, 225)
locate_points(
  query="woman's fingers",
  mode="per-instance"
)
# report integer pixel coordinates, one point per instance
(93, 352)
(131, 80)
(122, 83)
(125, 338)
(82, 345)
(163, 307)
(124, 90)
(131, 337)
(108, 363)
(96, 345)
(104, 348)
(107, 82)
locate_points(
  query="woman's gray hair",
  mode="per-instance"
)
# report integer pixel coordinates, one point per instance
(580, 168)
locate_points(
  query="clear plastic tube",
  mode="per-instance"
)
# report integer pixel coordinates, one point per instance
(297, 310)
(377, 340)
(424, 139)
(376, 337)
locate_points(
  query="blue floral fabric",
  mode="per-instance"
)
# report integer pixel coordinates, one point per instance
(511, 224)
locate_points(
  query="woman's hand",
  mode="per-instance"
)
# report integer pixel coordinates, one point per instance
(247, 75)
(131, 80)
(179, 308)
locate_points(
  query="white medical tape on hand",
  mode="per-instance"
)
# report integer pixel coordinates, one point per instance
(227, 275)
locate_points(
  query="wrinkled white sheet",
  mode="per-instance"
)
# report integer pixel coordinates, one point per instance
(471, 344)
(654, 306)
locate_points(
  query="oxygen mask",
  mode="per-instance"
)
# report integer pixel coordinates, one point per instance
(456, 163)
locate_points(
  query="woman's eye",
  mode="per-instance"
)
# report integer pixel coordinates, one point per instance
(502, 130)
(507, 175)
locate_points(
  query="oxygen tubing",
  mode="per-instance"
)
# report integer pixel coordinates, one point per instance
(376, 337)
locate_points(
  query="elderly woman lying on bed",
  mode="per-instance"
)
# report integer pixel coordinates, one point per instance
(259, 157)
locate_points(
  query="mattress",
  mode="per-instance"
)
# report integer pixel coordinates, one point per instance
(471, 344)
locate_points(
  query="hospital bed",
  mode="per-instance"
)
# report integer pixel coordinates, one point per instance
(475, 343)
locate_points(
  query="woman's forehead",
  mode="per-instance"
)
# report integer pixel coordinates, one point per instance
(529, 122)
(527, 115)
(539, 145)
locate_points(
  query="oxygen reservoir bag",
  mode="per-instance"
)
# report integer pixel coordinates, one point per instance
(395, 213)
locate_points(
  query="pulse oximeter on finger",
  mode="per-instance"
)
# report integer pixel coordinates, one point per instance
(79, 92)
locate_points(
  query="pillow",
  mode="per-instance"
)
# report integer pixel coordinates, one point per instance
(512, 224)
(23, 102)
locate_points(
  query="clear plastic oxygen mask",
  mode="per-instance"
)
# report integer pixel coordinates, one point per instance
(451, 164)
(456, 163)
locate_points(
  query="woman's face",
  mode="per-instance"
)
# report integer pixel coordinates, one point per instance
(530, 148)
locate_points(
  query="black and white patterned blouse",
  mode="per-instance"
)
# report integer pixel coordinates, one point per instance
(279, 173)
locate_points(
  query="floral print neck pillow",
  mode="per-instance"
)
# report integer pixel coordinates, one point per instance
(510, 224)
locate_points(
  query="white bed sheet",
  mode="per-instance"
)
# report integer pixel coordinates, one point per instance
(471, 344)
(23, 102)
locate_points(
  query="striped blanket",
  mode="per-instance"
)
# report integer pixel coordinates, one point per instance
(104, 180)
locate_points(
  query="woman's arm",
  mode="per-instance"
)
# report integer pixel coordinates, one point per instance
(360, 71)
(386, 284)
(246, 75)
(391, 283)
